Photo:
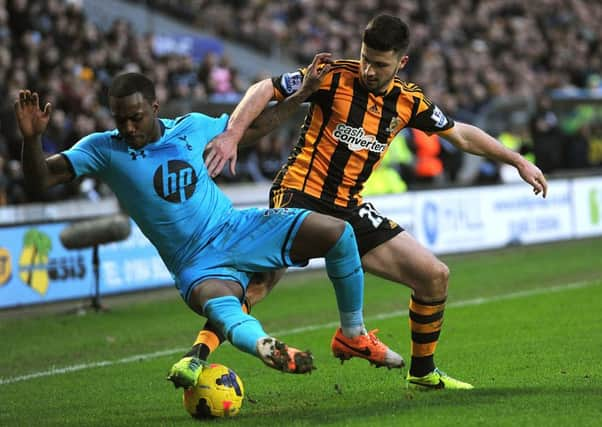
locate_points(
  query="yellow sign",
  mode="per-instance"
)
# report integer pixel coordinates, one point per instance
(5, 266)
(33, 262)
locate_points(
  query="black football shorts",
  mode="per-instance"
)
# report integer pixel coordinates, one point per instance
(371, 228)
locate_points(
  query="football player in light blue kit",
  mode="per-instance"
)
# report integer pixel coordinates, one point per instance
(156, 169)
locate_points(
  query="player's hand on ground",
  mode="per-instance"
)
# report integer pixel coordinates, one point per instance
(315, 72)
(534, 176)
(222, 148)
(31, 119)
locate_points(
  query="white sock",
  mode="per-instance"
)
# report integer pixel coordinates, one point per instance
(353, 331)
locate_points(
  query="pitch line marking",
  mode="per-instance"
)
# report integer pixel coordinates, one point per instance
(294, 331)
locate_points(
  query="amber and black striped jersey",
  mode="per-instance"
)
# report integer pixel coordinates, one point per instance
(347, 131)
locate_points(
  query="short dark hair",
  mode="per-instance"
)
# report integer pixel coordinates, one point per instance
(129, 83)
(386, 32)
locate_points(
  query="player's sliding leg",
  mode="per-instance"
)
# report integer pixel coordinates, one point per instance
(344, 269)
(261, 285)
(241, 329)
(425, 324)
(186, 371)
(246, 333)
(208, 339)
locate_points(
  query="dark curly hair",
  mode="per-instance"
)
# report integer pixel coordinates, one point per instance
(129, 83)
(386, 32)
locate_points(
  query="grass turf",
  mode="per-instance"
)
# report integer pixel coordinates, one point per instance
(515, 327)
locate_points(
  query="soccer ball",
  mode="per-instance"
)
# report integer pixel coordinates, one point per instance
(218, 393)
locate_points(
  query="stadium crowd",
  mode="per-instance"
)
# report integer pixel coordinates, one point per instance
(506, 48)
(50, 46)
(463, 53)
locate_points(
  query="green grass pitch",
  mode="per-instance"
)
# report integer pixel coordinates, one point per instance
(524, 325)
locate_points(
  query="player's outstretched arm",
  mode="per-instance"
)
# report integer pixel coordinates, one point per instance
(39, 172)
(224, 146)
(275, 115)
(247, 125)
(476, 141)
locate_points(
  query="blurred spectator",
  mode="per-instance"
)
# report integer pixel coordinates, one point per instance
(428, 163)
(387, 177)
(50, 46)
(549, 141)
(264, 160)
(15, 193)
(578, 148)
(452, 159)
(4, 182)
(488, 173)
(463, 53)
(471, 49)
(518, 139)
(220, 79)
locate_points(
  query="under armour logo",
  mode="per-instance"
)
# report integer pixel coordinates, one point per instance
(135, 154)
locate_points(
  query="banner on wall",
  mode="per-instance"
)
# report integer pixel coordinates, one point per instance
(131, 264)
(35, 267)
(588, 206)
(449, 221)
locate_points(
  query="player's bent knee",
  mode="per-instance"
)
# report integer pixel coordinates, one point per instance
(440, 279)
(342, 241)
(316, 236)
(212, 288)
(330, 228)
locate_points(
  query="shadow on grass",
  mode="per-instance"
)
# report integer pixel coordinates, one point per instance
(338, 410)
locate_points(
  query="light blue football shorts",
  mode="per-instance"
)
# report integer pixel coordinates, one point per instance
(252, 240)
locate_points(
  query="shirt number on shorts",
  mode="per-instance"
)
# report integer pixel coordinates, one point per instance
(368, 211)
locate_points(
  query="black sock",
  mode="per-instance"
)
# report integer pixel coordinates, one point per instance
(422, 365)
(199, 350)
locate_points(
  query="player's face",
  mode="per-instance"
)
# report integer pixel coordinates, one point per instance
(379, 67)
(136, 119)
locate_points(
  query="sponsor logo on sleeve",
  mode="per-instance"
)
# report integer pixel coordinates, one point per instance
(291, 82)
(438, 117)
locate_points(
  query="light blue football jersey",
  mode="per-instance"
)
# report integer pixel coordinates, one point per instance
(165, 186)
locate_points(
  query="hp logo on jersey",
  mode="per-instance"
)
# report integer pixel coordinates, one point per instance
(175, 181)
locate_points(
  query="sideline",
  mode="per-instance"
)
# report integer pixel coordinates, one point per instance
(398, 313)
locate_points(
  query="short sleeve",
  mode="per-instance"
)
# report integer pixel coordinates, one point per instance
(428, 117)
(214, 126)
(90, 155)
(205, 127)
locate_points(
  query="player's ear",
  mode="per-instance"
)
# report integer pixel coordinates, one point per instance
(155, 107)
(403, 61)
